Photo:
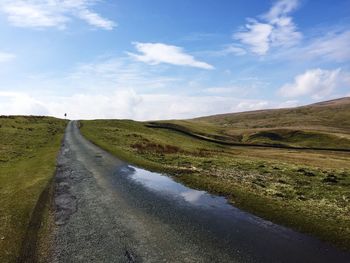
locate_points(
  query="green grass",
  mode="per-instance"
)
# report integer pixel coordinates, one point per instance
(322, 125)
(28, 150)
(329, 116)
(306, 190)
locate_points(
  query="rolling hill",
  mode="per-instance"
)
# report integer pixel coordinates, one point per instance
(320, 125)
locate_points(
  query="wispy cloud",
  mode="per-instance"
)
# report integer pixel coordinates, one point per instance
(289, 104)
(252, 105)
(256, 36)
(272, 29)
(5, 57)
(240, 91)
(333, 46)
(118, 73)
(318, 83)
(52, 13)
(156, 53)
(234, 49)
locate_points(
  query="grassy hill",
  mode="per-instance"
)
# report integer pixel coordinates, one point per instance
(28, 150)
(305, 189)
(320, 125)
(324, 115)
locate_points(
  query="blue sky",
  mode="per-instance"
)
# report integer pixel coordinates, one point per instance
(161, 59)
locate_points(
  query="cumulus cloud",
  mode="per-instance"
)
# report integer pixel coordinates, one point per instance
(17, 103)
(317, 83)
(156, 53)
(118, 104)
(5, 57)
(119, 88)
(52, 13)
(272, 29)
(124, 104)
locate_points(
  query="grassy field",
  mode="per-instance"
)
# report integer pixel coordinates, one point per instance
(321, 125)
(28, 150)
(304, 189)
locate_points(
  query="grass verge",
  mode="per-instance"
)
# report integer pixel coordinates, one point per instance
(28, 151)
(306, 190)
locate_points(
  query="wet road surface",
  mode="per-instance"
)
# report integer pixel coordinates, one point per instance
(108, 211)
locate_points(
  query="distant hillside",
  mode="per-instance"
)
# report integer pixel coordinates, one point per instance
(333, 114)
(320, 125)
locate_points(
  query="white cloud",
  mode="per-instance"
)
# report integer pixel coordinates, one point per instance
(17, 103)
(235, 50)
(333, 46)
(289, 104)
(5, 57)
(284, 33)
(156, 53)
(118, 73)
(327, 45)
(241, 90)
(96, 20)
(317, 83)
(52, 13)
(256, 37)
(252, 105)
(281, 8)
(273, 29)
(222, 90)
(118, 104)
(123, 104)
(119, 88)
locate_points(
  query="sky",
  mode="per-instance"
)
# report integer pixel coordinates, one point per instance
(157, 59)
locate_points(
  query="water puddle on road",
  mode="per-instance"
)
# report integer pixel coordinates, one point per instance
(253, 236)
(166, 185)
(219, 205)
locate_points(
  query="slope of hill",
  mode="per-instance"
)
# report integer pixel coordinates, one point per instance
(334, 114)
(321, 125)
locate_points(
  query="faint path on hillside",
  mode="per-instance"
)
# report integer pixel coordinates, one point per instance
(102, 215)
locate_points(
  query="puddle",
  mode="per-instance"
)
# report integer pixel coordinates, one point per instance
(219, 205)
(247, 233)
(167, 186)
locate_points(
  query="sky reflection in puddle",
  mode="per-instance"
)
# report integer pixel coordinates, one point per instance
(168, 186)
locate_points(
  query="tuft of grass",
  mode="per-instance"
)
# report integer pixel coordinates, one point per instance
(305, 190)
(28, 150)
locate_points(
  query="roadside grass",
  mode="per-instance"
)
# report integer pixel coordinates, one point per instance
(28, 150)
(306, 190)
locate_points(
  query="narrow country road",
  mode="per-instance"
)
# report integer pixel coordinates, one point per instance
(107, 211)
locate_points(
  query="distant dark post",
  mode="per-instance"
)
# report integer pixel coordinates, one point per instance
(65, 115)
